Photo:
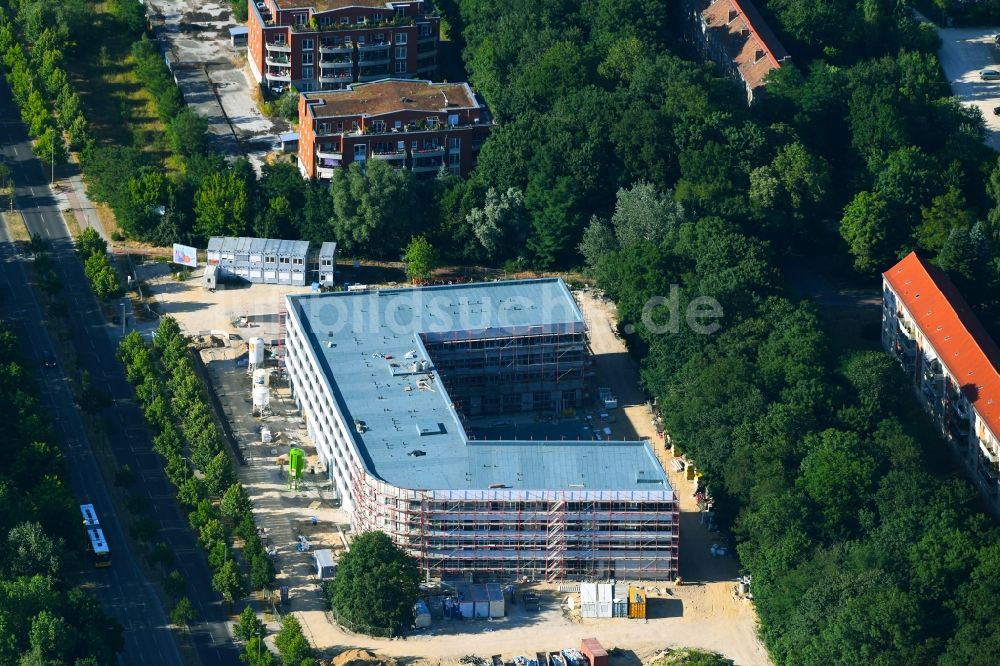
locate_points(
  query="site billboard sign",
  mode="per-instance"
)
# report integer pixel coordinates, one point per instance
(185, 255)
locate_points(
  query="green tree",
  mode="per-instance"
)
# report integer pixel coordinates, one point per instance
(219, 473)
(420, 258)
(50, 141)
(88, 243)
(501, 225)
(866, 228)
(292, 644)
(376, 584)
(599, 241)
(187, 132)
(249, 625)
(183, 612)
(786, 194)
(221, 205)
(373, 208)
(262, 571)
(32, 551)
(228, 582)
(257, 654)
(235, 502)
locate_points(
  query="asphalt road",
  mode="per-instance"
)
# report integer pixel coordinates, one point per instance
(122, 588)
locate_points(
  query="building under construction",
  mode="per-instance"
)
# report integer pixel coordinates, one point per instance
(385, 380)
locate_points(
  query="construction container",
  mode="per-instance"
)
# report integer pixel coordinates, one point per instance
(619, 607)
(637, 603)
(325, 566)
(497, 605)
(594, 652)
(605, 599)
(588, 599)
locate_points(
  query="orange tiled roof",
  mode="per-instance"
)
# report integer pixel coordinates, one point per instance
(749, 37)
(948, 324)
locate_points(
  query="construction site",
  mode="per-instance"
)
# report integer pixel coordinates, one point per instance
(388, 382)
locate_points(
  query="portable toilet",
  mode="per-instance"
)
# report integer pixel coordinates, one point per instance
(497, 608)
(605, 599)
(481, 600)
(210, 279)
(588, 599)
(326, 568)
(636, 603)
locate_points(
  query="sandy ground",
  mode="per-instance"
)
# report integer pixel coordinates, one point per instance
(704, 612)
(212, 76)
(199, 310)
(964, 52)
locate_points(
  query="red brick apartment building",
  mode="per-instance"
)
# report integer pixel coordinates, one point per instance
(328, 44)
(416, 125)
(952, 362)
(733, 34)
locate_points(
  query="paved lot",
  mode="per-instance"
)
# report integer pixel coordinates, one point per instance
(212, 75)
(964, 52)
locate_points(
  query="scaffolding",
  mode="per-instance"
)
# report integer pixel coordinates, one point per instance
(537, 535)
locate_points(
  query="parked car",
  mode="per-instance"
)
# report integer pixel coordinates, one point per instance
(989, 74)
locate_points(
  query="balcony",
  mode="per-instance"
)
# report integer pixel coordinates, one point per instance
(340, 60)
(429, 37)
(437, 151)
(276, 60)
(392, 155)
(364, 48)
(277, 48)
(284, 75)
(335, 75)
(336, 50)
(425, 168)
(324, 173)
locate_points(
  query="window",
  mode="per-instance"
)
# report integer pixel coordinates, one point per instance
(300, 19)
(269, 259)
(379, 38)
(307, 58)
(397, 124)
(400, 37)
(378, 125)
(324, 128)
(307, 72)
(413, 145)
(425, 29)
(400, 53)
(400, 146)
(325, 21)
(453, 119)
(340, 127)
(360, 20)
(432, 122)
(345, 20)
(400, 11)
(454, 144)
(354, 125)
(361, 40)
(401, 67)
(454, 159)
(307, 44)
(360, 151)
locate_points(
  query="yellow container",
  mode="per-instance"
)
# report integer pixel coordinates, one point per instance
(689, 472)
(636, 603)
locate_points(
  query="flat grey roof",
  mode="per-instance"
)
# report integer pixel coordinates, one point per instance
(248, 245)
(367, 345)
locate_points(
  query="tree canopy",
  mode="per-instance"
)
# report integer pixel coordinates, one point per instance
(376, 584)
